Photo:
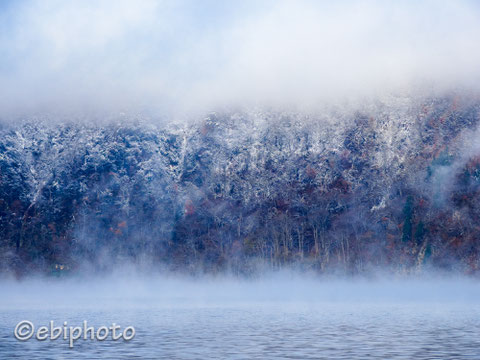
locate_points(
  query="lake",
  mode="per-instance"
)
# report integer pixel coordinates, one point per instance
(291, 319)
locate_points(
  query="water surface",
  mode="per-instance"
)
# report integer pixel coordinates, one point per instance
(251, 321)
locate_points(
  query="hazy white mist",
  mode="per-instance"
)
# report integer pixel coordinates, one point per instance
(283, 287)
(183, 56)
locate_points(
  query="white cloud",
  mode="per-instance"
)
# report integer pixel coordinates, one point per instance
(177, 55)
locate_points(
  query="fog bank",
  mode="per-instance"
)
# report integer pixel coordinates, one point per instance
(281, 287)
(161, 57)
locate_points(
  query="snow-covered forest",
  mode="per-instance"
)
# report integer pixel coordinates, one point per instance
(391, 184)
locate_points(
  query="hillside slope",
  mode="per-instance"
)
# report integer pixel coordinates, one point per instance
(392, 184)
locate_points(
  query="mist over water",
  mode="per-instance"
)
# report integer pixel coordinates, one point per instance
(284, 287)
(273, 316)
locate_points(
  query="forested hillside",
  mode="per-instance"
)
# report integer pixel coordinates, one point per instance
(390, 185)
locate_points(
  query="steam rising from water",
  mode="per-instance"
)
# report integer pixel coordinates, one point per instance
(284, 287)
(162, 56)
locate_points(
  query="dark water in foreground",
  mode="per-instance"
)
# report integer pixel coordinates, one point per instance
(186, 328)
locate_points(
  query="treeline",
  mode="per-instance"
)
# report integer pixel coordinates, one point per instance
(392, 186)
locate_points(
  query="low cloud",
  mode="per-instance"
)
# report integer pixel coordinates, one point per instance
(166, 56)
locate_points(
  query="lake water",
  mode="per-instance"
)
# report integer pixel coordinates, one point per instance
(249, 321)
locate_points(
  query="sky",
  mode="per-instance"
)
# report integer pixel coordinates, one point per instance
(185, 55)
